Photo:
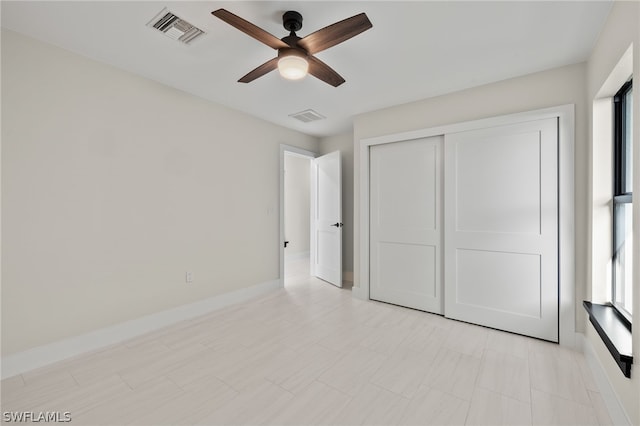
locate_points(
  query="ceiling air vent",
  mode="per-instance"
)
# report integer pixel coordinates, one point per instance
(174, 27)
(307, 116)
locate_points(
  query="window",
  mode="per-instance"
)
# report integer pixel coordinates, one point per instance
(622, 291)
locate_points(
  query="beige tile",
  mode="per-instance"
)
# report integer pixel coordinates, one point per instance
(508, 343)
(600, 408)
(493, 409)
(312, 353)
(353, 371)
(246, 332)
(215, 362)
(223, 341)
(158, 336)
(347, 338)
(454, 373)
(100, 365)
(585, 370)
(304, 368)
(366, 312)
(555, 371)
(506, 374)
(259, 332)
(386, 340)
(131, 405)
(116, 359)
(312, 312)
(84, 398)
(46, 376)
(257, 365)
(402, 373)
(10, 384)
(38, 391)
(137, 375)
(383, 315)
(317, 404)
(542, 347)
(256, 404)
(309, 335)
(550, 409)
(194, 333)
(296, 267)
(372, 406)
(200, 400)
(206, 364)
(440, 321)
(425, 339)
(433, 407)
(467, 339)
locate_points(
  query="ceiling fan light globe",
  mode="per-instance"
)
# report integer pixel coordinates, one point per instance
(293, 67)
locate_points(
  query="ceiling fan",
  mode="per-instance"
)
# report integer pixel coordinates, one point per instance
(295, 55)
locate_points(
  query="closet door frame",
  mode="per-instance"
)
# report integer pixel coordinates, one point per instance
(566, 206)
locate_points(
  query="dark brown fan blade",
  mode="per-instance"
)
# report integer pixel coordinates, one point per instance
(268, 66)
(250, 29)
(335, 33)
(324, 72)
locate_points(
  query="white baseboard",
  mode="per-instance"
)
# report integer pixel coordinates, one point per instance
(611, 400)
(40, 356)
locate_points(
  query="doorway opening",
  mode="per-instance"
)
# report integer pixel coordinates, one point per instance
(322, 205)
(297, 214)
(292, 259)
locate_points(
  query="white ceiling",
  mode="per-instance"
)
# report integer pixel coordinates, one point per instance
(415, 50)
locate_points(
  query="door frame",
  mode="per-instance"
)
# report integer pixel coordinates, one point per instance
(299, 152)
(566, 204)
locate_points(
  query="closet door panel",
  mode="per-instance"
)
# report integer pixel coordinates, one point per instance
(405, 218)
(501, 227)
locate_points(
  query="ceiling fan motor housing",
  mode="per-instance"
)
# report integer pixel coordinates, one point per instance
(292, 21)
(292, 51)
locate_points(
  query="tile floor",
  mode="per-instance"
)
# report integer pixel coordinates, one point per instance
(311, 354)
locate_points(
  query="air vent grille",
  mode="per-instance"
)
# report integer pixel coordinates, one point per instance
(307, 116)
(174, 27)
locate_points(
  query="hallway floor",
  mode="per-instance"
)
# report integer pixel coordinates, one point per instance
(312, 354)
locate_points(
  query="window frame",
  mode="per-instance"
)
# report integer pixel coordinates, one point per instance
(621, 194)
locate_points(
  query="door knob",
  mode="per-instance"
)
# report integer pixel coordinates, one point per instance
(337, 225)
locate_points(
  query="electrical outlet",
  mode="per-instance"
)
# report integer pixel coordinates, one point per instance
(189, 277)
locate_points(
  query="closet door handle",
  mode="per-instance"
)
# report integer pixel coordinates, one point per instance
(337, 225)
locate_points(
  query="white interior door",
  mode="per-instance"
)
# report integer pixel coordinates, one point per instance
(405, 223)
(501, 227)
(326, 218)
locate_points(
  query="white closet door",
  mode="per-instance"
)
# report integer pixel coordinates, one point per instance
(501, 228)
(405, 230)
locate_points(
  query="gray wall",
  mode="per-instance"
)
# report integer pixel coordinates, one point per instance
(621, 31)
(113, 186)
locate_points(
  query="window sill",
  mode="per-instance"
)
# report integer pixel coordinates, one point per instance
(615, 332)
